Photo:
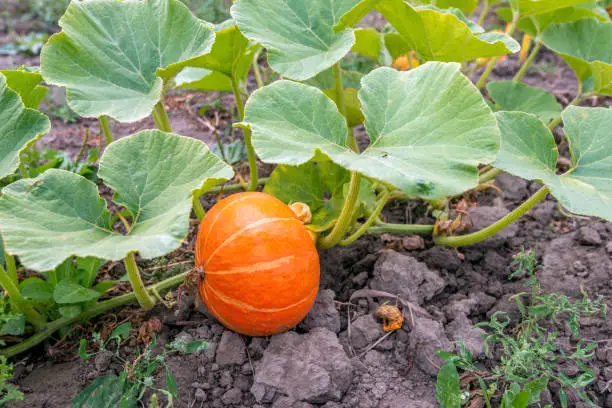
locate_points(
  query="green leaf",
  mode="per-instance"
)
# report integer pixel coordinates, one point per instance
(37, 289)
(368, 42)
(534, 7)
(466, 6)
(475, 28)
(535, 25)
(529, 151)
(356, 14)
(325, 80)
(196, 346)
(19, 128)
(153, 174)
(102, 287)
(536, 388)
(68, 292)
(352, 104)
(586, 45)
(109, 51)
(171, 383)
(231, 55)
(320, 185)
(83, 349)
(448, 389)
(121, 332)
(429, 128)
(298, 35)
(12, 324)
(203, 79)
(70, 311)
(26, 84)
(456, 42)
(103, 392)
(513, 96)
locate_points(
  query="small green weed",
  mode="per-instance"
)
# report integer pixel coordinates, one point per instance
(530, 356)
(8, 391)
(137, 377)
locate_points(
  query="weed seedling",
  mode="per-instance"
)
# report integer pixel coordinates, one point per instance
(8, 391)
(530, 356)
(137, 376)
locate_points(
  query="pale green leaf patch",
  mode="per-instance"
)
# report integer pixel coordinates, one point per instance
(516, 96)
(298, 35)
(114, 56)
(429, 128)
(443, 36)
(27, 85)
(529, 151)
(534, 7)
(231, 56)
(154, 176)
(586, 45)
(535, 25)
(466, 6)
(19, 127)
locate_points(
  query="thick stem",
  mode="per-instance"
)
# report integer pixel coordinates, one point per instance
(489, 175)
(108, 135)
(90, 312)
(344, 220)
(339, 92)
(232, 188)
(256, 70)
(162, 122)
(525, 67)
(17, 299)
(11, 267)
(401, 229)
(145, 300)
(475, 237)
(247, 137)
(371, 220)
(491, 65)
(483, 14)
(197, 208)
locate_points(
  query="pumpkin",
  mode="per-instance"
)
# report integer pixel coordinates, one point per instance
(260, 265)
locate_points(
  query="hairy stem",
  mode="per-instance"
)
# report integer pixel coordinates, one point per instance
(489, 175)
(11, 267)
(145, 300)
(371, 220)
(491, 65)
(525, 67)
(162, 122)
(483, 14)
(17, 299)
(339, 92)
(256, 70)
(197, 208)
(247, 136)
(90, 312)
(108, 135)
(475, 237)
(401, 229)
(232, 188)
(344, 220)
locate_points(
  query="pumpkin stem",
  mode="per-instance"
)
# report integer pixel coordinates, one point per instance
(146, 301)
(344, 221)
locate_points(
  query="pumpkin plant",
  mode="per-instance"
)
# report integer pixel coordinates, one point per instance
(431, 135)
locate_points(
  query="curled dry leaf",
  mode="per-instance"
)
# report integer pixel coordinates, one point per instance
(391, 316)
(148, 329)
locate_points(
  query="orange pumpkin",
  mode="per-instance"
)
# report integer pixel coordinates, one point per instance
(261, 267)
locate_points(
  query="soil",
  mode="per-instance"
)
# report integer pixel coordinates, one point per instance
(339, 356)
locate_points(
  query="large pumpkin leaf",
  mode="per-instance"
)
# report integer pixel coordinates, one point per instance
(429, 127)
(529, 151)
(516, 96)
(297, 34)
(466, 6)
(231, 55)
(586, 45)
(442, 36)
(533, 7)
(109, 53)
(535, 25)
(19, 127)
(26, 84)
(60, 214)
